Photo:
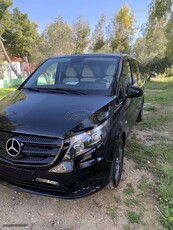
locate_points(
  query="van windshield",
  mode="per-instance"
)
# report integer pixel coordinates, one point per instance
(87, 74)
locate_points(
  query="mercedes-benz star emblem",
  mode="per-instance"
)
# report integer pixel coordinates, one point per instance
(13, 147)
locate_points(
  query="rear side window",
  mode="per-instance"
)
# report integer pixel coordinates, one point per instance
(135, 72)
(126, 75)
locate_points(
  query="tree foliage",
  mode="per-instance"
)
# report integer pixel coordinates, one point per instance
(4, 14)
(56, 39)
(20, 35)
(59, 38)
(40, 50)
(81, 32)
(4, 23)
(98, 37)
(17, 33)
(122, 29)
(159, 9)
(155, 47)
(4, 5)
(151, 46)
(169, 35)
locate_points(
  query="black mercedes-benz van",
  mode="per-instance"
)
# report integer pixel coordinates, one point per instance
(63, 131)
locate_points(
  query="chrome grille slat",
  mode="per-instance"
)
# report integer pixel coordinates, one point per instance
(40, 151)
(39, 140)
(35, 138)
(40, 144)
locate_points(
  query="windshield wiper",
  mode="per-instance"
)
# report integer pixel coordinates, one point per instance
(60, 90)
(31, 88)
(70, 90)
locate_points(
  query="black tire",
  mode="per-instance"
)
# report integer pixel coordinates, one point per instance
(117, 165)
(140, 115)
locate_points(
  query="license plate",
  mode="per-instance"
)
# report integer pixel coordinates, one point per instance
(17, 173)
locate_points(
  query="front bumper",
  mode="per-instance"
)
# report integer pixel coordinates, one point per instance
(75, 184)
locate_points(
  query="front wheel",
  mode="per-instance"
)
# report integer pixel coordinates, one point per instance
(117, 165)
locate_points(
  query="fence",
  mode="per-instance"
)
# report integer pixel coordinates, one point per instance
(7, 76)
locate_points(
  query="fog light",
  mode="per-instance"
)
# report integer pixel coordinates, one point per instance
(47, 181)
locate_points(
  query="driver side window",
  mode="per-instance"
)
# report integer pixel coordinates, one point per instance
(48, 76)
(126, 75)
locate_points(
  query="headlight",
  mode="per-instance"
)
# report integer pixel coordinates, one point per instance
(82, 143)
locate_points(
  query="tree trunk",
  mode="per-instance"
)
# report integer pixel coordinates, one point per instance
(27, 65)
(9, 60)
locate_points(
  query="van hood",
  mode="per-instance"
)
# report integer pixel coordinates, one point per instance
(51, 113)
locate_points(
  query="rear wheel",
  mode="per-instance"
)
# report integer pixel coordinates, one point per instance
(117, 165)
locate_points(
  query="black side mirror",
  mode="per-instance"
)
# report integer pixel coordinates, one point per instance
(134, 91)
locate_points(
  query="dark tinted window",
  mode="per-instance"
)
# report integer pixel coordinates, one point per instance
(135, 72)
(126, 74)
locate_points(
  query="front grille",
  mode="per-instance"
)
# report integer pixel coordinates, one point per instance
(35, 150)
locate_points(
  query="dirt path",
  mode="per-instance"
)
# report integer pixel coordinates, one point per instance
(107, 209)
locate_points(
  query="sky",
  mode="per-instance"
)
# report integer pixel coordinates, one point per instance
(44, 12)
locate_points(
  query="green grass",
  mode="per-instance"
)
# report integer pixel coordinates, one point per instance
(167, 208)
(158, 121)
(5, 91)
(151, 108)
(112, 212)
(146, 186)
(162, 98)
(158, 157)
(134, 217)
(160, 83)
(131, 202)
(129, 190)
